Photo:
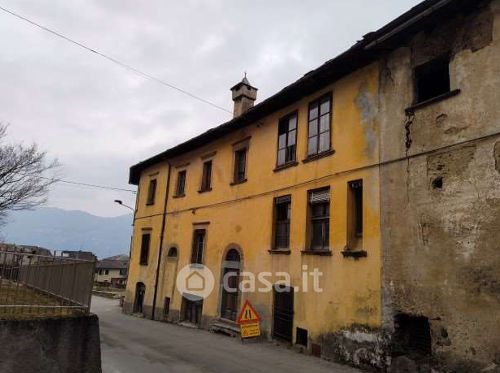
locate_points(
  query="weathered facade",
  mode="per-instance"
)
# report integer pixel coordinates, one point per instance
(380, 169)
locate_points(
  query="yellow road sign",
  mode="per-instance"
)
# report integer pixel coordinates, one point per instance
(250, 330)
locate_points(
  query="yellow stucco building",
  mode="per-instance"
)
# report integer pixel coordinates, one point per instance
(292, 191)
(368, 177)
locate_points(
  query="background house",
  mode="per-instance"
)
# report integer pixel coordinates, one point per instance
(112, 271)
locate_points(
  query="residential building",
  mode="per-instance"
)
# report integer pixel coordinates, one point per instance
(112, 271)
(380, 169)
(79, 254)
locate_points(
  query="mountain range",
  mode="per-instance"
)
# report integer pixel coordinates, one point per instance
(58, 229)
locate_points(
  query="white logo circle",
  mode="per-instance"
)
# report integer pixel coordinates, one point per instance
(195, 282)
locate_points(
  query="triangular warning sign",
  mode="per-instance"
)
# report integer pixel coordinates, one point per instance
(248, 314)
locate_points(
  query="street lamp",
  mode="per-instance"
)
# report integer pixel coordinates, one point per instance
(120, 202)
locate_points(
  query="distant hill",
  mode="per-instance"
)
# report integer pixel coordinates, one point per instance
(58, 229)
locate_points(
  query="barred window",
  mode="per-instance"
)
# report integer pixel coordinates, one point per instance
(282, 212)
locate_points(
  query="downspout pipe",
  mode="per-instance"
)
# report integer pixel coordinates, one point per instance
(160, 248)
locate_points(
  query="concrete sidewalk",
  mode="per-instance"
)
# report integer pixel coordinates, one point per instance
(136, 345)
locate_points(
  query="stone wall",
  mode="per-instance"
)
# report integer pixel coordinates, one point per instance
(58, 345)
(441, 208)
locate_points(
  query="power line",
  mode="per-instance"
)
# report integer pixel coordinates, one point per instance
(57, 180)
(113, 60)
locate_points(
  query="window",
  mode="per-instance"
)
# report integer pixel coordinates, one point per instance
(181, 183)
(206, 180)
(287, 139)
(106, 271)
(282, 211)
(166, 307)
(146, 239)
(151, 192)
(240, 160)
(319, 126)
(354, 213)
(198, 246)
(319, 212)
(432, 79)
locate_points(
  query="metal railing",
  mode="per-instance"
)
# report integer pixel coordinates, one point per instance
(43, 285)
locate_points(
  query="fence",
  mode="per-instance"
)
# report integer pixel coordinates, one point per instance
(34, 285)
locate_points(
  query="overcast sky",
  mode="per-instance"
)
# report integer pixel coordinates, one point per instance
(98, 119)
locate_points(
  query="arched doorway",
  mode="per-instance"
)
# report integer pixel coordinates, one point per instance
(140, 291)
(230, 293)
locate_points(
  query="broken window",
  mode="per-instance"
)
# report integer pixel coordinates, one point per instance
(240, 160)
(198, 246)
(181, 183)
(319, 126)
(432, 79)
(145, 241)
(282, 212)
(287, 139)
(354, 213)
(301, 337)
(151, 192)
(319, 216)
(412, 335)
(206, 180)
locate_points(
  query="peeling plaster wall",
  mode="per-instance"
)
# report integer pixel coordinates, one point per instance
(443, 262)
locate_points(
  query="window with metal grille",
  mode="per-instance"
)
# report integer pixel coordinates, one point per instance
(287, 139)
(206, 180)
(240, 160)
(282, 212)
(151, 192)
(145, 241)
(355, 212)
(319, 126)
(319, 216)
(198, 246)
(432, 79)
(181, 183)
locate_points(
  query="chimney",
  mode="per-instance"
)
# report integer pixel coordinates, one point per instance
(244, 95)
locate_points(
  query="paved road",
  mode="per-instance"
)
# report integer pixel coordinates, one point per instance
(135, 345)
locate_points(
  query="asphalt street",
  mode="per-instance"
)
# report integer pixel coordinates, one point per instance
(135, 345)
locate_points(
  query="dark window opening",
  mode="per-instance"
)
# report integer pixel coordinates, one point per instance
(355, 213)
(230, 289)
(412, 335)
(181, 183)
(301, 337)
(206, 181)
(166, 307)
(287, 140)
(146, 239)
(140, 292)
(240, 160)
(318, 140)
(319, 219)
(282, 214)
(151, 192)
(432, 79)
(172, 252)
(192, 310)
(437, 183)
(198, 246)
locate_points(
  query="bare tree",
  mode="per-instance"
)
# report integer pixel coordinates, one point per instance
(24, 182)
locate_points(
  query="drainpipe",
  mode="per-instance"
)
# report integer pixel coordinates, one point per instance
(162, 234)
